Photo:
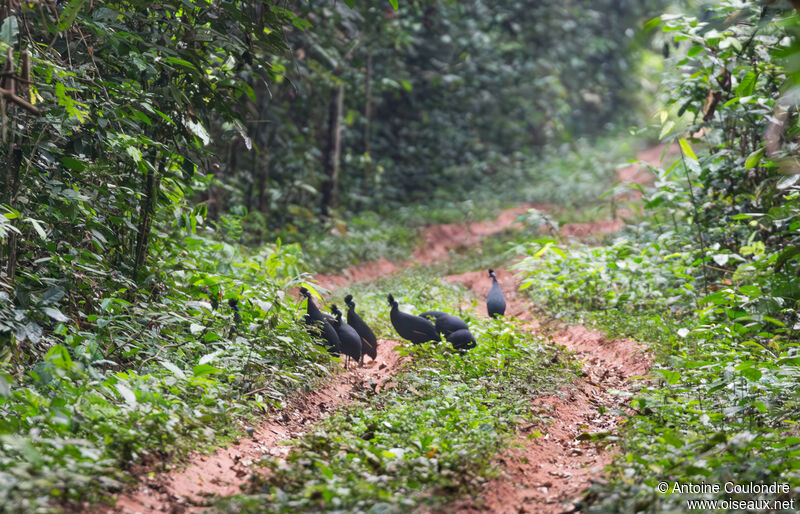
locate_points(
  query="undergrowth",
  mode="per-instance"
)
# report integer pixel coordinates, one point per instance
(723, 400)
(152, 375)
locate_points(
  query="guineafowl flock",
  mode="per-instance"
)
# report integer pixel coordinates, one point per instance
(354, 339)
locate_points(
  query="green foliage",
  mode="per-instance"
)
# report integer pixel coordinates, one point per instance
(725, 385)
(443, 101)
(710, 280)
(149, 376)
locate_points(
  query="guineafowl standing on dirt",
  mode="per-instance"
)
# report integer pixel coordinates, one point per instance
(368, 339)
(412, 328)
(349, 340)
(319, 324)
(445, 323)
(462, 339)
(495, 301)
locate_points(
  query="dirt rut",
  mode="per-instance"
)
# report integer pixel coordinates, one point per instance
(437, 243)
(546, 474)
(224, 472)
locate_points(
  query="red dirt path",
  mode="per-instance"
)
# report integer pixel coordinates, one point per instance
(536, 478)
(547, 474)
(437, 243)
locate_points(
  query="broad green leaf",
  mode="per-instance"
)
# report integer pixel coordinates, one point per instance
(204, 369)
(127, 394)
(666, 129)
(55, 314)
(754, 158)
(650, 25)
(37, 226)
(73, 164)
(695, 50)
(69, 14)
(60, 357)
(205, 359)
(687, 149)
(198, 130)
(747, 85)
(9, 31)
(134, 153)
(52, 295)
(178, 372)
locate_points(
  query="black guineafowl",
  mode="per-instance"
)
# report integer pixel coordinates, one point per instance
(313, 311)
(367, 336)
(495, 301)
(445, 323)
(233, 303)
(412, 328)
(462, 339)
(349, 340)
(319, 324)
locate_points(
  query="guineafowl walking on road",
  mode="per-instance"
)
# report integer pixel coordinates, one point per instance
(462, 339)
(368, 339)
(445, 323)
(412, 328)
(319, 324)
(495, 301)
(349, 340)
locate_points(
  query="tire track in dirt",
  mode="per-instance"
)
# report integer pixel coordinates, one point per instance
(224, 472)
(547, 474)
(437, 243)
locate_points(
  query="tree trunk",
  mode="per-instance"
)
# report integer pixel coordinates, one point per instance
(262, 180)
(333, 150)
(148, 209)
(367, 104)
(13, 165)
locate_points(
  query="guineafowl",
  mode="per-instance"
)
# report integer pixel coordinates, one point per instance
(367, 336)
(445, 323)
(313, 311)
(412, 328)
(462, 339)
(349, 340)
(319, 324)
(233, 303)
(495, 301)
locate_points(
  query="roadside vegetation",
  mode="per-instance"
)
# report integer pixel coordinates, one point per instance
(708, 278)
